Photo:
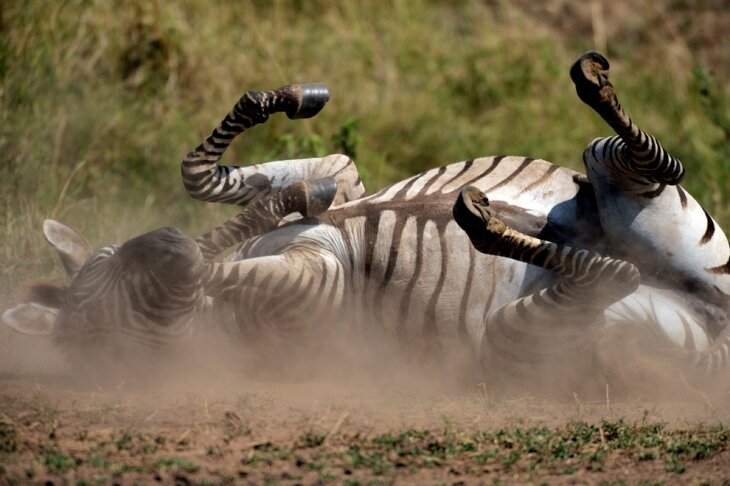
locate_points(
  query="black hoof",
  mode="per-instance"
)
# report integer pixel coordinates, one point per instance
(471, 210)
(590, 76)
(310, 99)
(320, 194)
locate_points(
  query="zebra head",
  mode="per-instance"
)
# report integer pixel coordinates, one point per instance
(137, 296)
(147, 293)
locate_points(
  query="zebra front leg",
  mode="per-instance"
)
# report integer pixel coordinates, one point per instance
(308, 198)
(205, 179)
(639, 155)
(556, 325)
(280, 298)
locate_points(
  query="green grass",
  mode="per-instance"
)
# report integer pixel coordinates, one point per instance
(8, 438)
(100, 101)
(524, 452)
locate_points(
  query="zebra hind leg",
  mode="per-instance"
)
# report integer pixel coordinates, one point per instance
(639, 154)
(555, 328)
(644, 212)
(583, 271)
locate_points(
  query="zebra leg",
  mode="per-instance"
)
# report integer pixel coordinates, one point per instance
(309, 198)
(667, 334)
(663, 229)
(205, 179)
(583, 271)
(635, 153)
(554, 325)
(290, 296)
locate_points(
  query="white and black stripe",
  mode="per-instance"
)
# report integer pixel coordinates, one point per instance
(574, 254)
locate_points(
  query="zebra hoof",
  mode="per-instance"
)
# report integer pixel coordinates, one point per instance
(473, 214)
(310, 99)
(471, 210)
(590, 76)
(319, 195)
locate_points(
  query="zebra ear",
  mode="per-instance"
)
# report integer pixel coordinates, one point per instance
(72, 248)
(31, 318)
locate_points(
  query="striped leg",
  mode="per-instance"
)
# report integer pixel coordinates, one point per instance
(635, 153)
(716, 359)
(670, 236)
(308, 198)
(290, 296)
(205, 179)
(553, 325)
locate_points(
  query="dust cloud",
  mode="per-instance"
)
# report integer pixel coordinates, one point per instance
(362, 384)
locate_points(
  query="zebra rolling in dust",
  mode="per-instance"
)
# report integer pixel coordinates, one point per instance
(534, 267)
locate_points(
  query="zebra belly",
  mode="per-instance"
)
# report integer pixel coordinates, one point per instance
(431, 286)
(663, 230)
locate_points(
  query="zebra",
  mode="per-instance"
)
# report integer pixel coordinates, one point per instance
(520, 261)
(125, 300)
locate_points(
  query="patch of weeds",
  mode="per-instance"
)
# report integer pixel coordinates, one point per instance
(674, 466)
(122, 441)
(234, 427)
(511, 458)
(647, 456)
(252, 458)
(123, 469)
(265, 452)
(98, 461)
(8, 438)
(563, 449)
(430, 461)
(389, 441)
(619, 434)
(59, 462)
(282, 454)
(328, 475)
(595, 460)
(487, 455)
(374, 460)
(214, 451)
(177, 464)
(311, 439)
(316, 466)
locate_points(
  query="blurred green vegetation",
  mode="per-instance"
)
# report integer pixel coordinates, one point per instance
(100, 100)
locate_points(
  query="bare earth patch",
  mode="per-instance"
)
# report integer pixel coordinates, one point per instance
(250, 428)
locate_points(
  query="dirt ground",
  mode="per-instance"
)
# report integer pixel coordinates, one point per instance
(251, 424)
